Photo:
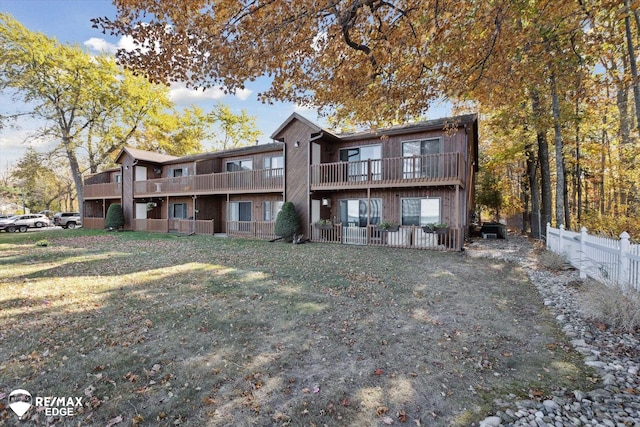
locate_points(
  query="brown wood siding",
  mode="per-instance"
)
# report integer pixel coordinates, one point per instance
(392, 146)
(258, 159)
(128, 207)
(257, 202)
(297, 170)
(392, 202)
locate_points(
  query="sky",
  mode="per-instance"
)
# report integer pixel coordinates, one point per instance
(69, 22)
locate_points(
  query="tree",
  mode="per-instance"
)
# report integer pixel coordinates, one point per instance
(86, 101)
(287, 224)
(365, 59)
(375, 61)
(41, 183)
(115, 217)
(237, 130)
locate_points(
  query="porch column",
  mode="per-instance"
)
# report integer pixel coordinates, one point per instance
(457, 205)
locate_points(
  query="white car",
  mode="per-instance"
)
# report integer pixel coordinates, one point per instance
(23, 222)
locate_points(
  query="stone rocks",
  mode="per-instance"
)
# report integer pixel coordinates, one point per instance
(615, 357)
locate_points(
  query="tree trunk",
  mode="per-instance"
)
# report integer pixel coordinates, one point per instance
(561, 188)
(75, 170)
(632, 61)
(543, 162)
(534, 191)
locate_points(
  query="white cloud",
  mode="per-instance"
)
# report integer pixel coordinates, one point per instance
(243, 94)
(101, 45)
(180, 94)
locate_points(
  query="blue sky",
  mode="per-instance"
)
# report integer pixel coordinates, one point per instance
(69, 21)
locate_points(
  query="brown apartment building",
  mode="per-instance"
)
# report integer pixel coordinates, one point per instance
(344, 186)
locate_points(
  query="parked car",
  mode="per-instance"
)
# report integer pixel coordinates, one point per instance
(23, 222)
(67, 219)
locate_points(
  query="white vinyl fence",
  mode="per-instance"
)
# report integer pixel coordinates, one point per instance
(610, 261)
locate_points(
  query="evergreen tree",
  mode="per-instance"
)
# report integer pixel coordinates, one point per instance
(287, 224)
(115, 217)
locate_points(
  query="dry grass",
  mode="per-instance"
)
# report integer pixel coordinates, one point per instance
(611, 306)
(194, 331)
(552, 261)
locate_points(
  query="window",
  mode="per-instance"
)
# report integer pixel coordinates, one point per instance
(356, 212)
(178, 210)
(240, 211)
(358, 158)
(180, 172)
(275, 162)
(119, 178)
(270, 210)
(417, 162)
(421, 212)
(239, 165)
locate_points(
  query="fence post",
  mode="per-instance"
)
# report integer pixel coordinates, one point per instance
(547, 233)
(623, 260)
(560, 238)
(582, 268)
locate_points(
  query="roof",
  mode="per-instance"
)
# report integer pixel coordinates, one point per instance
(148, 156)
(437, 124)
(295, 116)
(157, 158)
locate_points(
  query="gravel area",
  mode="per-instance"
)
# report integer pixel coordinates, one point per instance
(614, 356)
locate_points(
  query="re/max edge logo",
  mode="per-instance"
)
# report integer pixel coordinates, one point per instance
(21, 401)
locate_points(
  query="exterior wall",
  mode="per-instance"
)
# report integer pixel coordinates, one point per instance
(297, 160)
(391, 202)
(128, 203)
(392, 145)
(257, 201)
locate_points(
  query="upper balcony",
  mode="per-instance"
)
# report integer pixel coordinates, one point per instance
(102, 191)
(246, 181)
(426, 170)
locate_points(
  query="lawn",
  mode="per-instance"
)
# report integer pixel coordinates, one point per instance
(159, 329)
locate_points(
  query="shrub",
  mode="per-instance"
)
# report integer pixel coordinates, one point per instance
(42, 243)
(287, 224)
(553, 261)
(611, 306)
(115, 217)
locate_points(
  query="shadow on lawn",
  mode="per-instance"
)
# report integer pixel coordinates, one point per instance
(324, 335)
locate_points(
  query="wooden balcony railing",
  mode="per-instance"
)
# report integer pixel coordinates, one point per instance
(100, 191)
(240, 181)
(405, 237)
(432, 169)
(252, 229)
(93, 223)
(185, 226)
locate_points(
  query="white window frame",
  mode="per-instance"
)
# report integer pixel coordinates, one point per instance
(424, 204)
(172, 210)
(239, 162)
(413, 165)
(271, 209)
(358, 169)
(369, 219)
(267, 164)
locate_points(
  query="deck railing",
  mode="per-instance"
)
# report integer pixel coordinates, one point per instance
(184, 226)
(437, 169)
(99, 191)
(93, 223)
(405, 237)
(239, 181)
(254, 229)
